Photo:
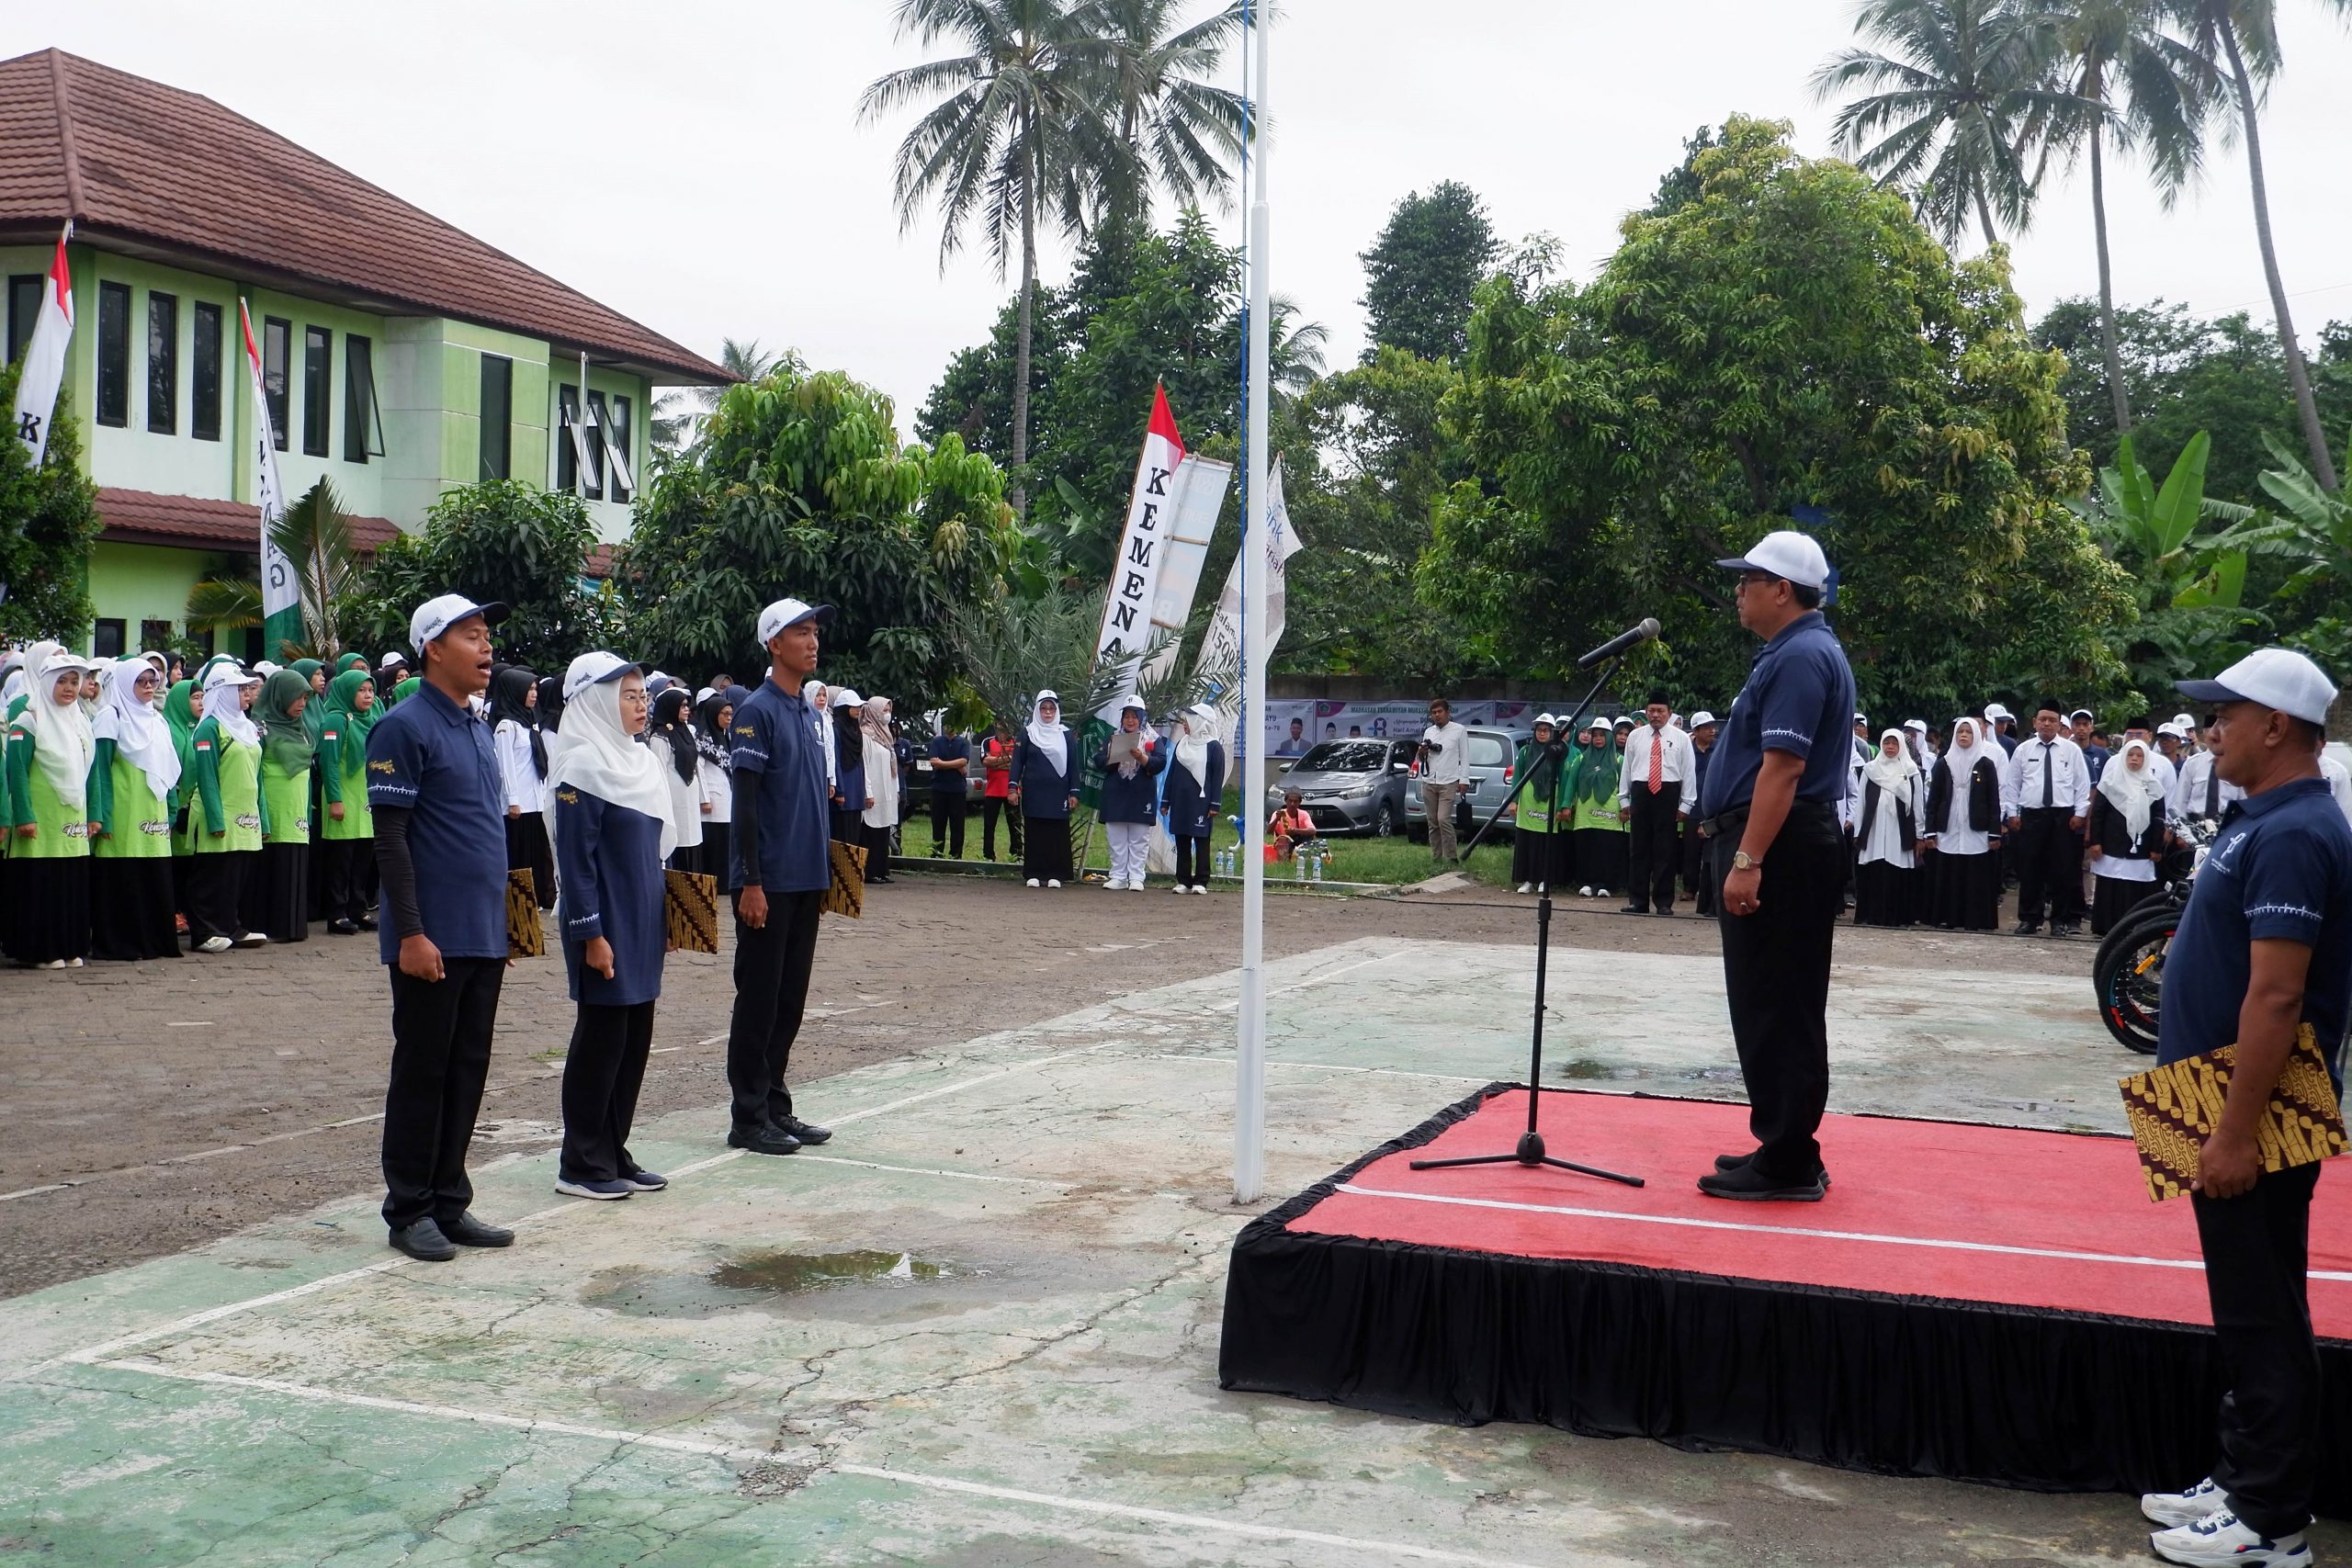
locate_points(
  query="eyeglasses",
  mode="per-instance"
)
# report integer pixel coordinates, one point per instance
(639, 695)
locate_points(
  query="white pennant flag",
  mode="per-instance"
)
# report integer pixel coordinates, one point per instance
(44, 368)
(281, 591)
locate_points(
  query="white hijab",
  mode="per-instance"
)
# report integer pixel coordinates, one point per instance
(590, 752)
(20, 678)
(1132, 763)
(1198, 724)
(1051, 740)
(224, 688)
(1962, 760)
(140, 735)
(61, 744)
(2132, 791)
(1892, 773)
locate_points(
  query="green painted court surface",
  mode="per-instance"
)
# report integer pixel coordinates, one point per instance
(979, 1326)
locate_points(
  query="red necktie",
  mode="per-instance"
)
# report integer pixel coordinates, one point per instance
(1658, 764)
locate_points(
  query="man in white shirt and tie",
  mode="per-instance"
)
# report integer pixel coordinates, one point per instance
(2048, 794)
(1655, 793)
(2202, 791)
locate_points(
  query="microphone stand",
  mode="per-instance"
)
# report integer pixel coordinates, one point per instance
(1530, 1151)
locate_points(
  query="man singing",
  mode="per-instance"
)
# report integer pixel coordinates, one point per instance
(1769, 810)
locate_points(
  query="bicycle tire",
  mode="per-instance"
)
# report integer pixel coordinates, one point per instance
(2129, 983)
(2125, 929)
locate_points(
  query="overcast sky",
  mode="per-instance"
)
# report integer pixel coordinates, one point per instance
(698, 165)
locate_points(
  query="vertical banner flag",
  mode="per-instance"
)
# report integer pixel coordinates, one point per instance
(1135, 578)
(44, 368)
(281, 591)
(1220, 662)
(1200, 486)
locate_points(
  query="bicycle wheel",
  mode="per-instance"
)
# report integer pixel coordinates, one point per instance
(2130, 980)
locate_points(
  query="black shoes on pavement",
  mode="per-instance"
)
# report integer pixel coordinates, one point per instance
(807, 1132)
(430, 1241)
(765, 1139)
(467, 1231)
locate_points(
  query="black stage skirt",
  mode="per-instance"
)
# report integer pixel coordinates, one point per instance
(1601, 858)
(1886, 895)
(47, 914)
(1964, 891)
(2115, 898)
(285, 893)
(1044, 850)
(1538, 857)
(526, 849)
(131, 902)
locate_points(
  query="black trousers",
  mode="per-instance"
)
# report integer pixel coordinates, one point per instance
(215, 893)
(991, 808)
(1698, 873)
(1192, 862)
(602, 1075)
(1656, 839)
(771, 966)
(2050, 866)
(947, 811)
(1776, 977)
(2255, 1249)
(440, 1061)
(343, 896)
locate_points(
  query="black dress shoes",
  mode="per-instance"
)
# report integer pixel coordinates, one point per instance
(342, 927)
(1745, 1181)
(423, 1242)
(763, 1140)
(467, 1231)
(808, 1133)
(1726, 1164)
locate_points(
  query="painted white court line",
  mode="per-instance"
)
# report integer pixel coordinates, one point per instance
(1685, 1222)
(1096, 1508)
(1030, 1065)
(1225, 1061)
(927, 1170)
(30, 1191)
(1310, 980)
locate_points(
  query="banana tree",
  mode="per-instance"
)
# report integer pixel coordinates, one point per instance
(2311, 530)
(2190, 587)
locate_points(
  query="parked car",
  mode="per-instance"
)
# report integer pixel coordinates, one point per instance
(1492, 753)
(1350, 786)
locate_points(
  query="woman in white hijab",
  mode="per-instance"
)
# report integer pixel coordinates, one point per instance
(1963, 829)
(615, 827)
(1044, 790)
(223, 813)
(50, 752)
(2127, 835)
(1886, 835)
(1194, 795)
(880, 817)
(134, 782)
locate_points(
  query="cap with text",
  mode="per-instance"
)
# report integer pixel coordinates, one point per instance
(436, 616)
(1784, 552)
(790, 612)
(594, 670)
(2276, 678)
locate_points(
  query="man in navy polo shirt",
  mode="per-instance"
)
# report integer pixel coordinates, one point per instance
(440, 811)
(2264, 947)
(781, 866)
(1769, 810)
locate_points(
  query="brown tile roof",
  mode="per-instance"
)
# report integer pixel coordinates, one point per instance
(143, 517)
(155, 170)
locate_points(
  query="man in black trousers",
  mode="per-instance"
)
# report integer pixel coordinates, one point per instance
(1771, 817)
(1655, 793)
(440, 811)
(781, 867)
(2049, 794)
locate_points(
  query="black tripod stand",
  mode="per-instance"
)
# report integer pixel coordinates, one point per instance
(1530, 1151)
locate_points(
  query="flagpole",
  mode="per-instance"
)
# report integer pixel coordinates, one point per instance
(1249, 1097)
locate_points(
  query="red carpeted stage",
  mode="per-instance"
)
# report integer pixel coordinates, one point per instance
(1987, 1303)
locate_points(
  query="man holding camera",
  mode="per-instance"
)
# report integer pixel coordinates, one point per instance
(1445, 773)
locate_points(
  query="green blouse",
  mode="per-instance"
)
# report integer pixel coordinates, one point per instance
(342, 781)
(135, 822)
(60, 832)
(226, 815)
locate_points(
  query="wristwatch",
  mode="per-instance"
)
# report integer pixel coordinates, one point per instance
(1741, 861)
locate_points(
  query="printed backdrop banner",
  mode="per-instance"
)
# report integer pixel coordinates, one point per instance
(1294, 726)
(1135, 582)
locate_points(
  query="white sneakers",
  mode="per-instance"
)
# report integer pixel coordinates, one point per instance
(1053, 882)
(2206, 1534)
(1526, 887)
(1584, 892)
(1032, 882)
(1201, 889)
(214, 945)
(1116, 884)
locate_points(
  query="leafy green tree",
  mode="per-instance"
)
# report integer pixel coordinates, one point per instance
(501, 541)
(677, 414)
(48, 521)
(2310, 532)
(1678, 188)
(800, 487)
(974, 397)
(1792, 340)
(2189, 587)
(1419, 275)
(315, 535)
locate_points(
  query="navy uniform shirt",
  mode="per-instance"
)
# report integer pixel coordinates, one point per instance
(434, 760)
(949, 749)
(609, 858)
(1800, 692)
(2280, 867)
(778, 740)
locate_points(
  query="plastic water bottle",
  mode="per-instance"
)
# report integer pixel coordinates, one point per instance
(1298, 864)
(1321, 855)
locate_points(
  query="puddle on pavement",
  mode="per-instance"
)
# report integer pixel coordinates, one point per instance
(1711, 1075)
(784, 1273)
(1582, 1071)
(757, 1280)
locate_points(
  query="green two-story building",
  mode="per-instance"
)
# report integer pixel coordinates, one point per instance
(401, 356)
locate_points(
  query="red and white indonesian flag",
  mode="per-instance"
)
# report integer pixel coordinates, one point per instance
(44, 368)
(281, 591)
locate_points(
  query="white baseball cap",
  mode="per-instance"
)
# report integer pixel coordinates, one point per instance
(1860, 718)
(393, 661)
(1918, 724)
(844, 697)
(1701, 719)
(1784, 552)
(594, 670)
(1624, 721)
(1547, 718)
(1995, 710)
(790, 612)
(2275, 677)
(2168, 728)
(2187, 722)
(436, 616)
(2080, 713)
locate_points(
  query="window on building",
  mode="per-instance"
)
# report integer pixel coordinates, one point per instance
(163, 362)
(204, 375)
(567, 407)
(617, 451)
(24, 310)
(595, 434)
(276, 351)
(155, 637)
(497, 418)
(114, 354)
(363, 425)
(106, 639)
(202, 638)
(318, 389)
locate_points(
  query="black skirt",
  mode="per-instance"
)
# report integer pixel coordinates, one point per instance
(1886, 894)
(1044, 849)
(285, 903)
(48, 909)
(132, 901)
(1964, 891)
(528, 850)
(2114, 899)
(714, 853)
(1537, 857)
(1601, 858)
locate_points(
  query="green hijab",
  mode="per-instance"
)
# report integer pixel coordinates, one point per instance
(1593, 773)
(284, 739)
(407, 688)
(314, 717)
(350, 662)
(180, 712)
(342, 701)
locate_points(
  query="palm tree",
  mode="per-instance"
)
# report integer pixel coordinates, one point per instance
(316, 536)
(2141, 88)
(1181, 133)
(1966, 81)
(1019, 126)
(678, 414)
(2238, 40)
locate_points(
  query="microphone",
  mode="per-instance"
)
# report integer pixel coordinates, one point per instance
(1621, 642)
